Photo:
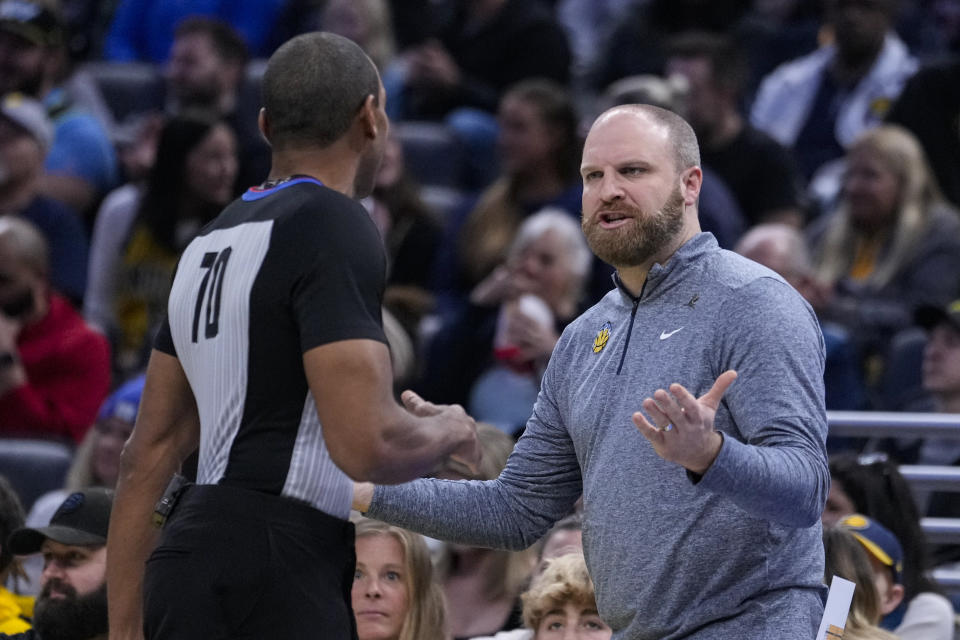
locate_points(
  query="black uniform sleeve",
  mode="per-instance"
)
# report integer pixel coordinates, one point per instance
(340, 273)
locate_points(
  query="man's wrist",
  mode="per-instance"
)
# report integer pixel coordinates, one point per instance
(713, 450)
(362, 496)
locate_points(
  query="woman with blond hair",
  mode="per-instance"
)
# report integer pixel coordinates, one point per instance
(395, 595)
(892, 244)
(846, 557)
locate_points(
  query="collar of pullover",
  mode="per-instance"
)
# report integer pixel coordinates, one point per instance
(662, 276)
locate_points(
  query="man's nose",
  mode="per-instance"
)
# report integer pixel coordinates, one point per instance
(610, 188)
(51, 569)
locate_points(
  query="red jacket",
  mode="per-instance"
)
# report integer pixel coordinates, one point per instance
(68, 377)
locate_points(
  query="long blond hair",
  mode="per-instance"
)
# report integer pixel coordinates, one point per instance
(900, 152)
(846, 557)
(426, 617)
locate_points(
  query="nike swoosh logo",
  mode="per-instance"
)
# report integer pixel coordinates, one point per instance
(664, 335)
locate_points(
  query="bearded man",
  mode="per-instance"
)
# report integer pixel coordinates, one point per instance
(705, 524)
(72, 604)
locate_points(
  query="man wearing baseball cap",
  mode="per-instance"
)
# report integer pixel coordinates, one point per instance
(73, 599)
(80, 165)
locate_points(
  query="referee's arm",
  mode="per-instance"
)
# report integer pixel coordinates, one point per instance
(166, 432)
(368, 434)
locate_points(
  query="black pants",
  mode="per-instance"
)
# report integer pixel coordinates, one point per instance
(234, 563)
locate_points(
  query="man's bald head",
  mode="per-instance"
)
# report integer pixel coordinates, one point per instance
(23, 242)
(678, 131)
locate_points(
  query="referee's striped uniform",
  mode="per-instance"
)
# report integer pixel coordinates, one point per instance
(280, 271)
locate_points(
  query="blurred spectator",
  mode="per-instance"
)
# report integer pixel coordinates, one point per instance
(820, 103)
(872, 485)
(929, 107)
(783, 249)
(637, 44)
(366, 22)
(488, 46)
(15, 610)
(205, 72)
(930, 616)
(891, 245)
(73, 597)
(540, 160)
(395, 594)
(759, 171)
(566, 536)
(136, 141)
(846, 557)
(493, 352)
(560, 605)
(588, 22)
(411, 232)
(483, 586)
(80, 164)
(775, 31)
(54, 369)
(719, 211)
(25, 138)
(95, 464)
(941, 380)
(461, 74)
(135, 248)
(528, 300)
(144, 29)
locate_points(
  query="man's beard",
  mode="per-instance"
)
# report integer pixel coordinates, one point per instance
(72, 617)
(640, 239)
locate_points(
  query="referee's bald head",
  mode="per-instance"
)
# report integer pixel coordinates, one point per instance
(313, 87)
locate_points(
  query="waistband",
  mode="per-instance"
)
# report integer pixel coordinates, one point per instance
(208, 500)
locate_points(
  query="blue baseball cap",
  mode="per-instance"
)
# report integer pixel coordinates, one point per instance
(878, 541)
(123, 403)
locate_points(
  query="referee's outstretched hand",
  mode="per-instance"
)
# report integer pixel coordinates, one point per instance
(453, 416)
(683, 430)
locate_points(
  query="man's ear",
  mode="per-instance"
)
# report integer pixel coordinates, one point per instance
(691, 181)
(368, 117)
(263, 123)
(891, 599)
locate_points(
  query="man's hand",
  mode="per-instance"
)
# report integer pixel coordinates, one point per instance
(468, 452)
(535, 339)
(12, 373)
(683, 429)
(432, 66)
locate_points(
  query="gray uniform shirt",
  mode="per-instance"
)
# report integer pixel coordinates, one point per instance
(736, 553)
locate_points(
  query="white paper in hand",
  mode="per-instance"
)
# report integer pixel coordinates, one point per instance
(835, 612)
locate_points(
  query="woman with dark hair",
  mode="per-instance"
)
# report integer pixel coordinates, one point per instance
(872, 485)
(135, 247)
(540, 156)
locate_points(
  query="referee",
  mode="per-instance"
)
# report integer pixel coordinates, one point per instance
(274, 362)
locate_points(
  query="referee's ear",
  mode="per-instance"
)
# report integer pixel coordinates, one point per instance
(368, 117)
(263, 123)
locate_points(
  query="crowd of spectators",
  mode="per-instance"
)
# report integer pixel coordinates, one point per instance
(831, 149)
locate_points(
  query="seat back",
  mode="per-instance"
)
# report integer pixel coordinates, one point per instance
(34, 467)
